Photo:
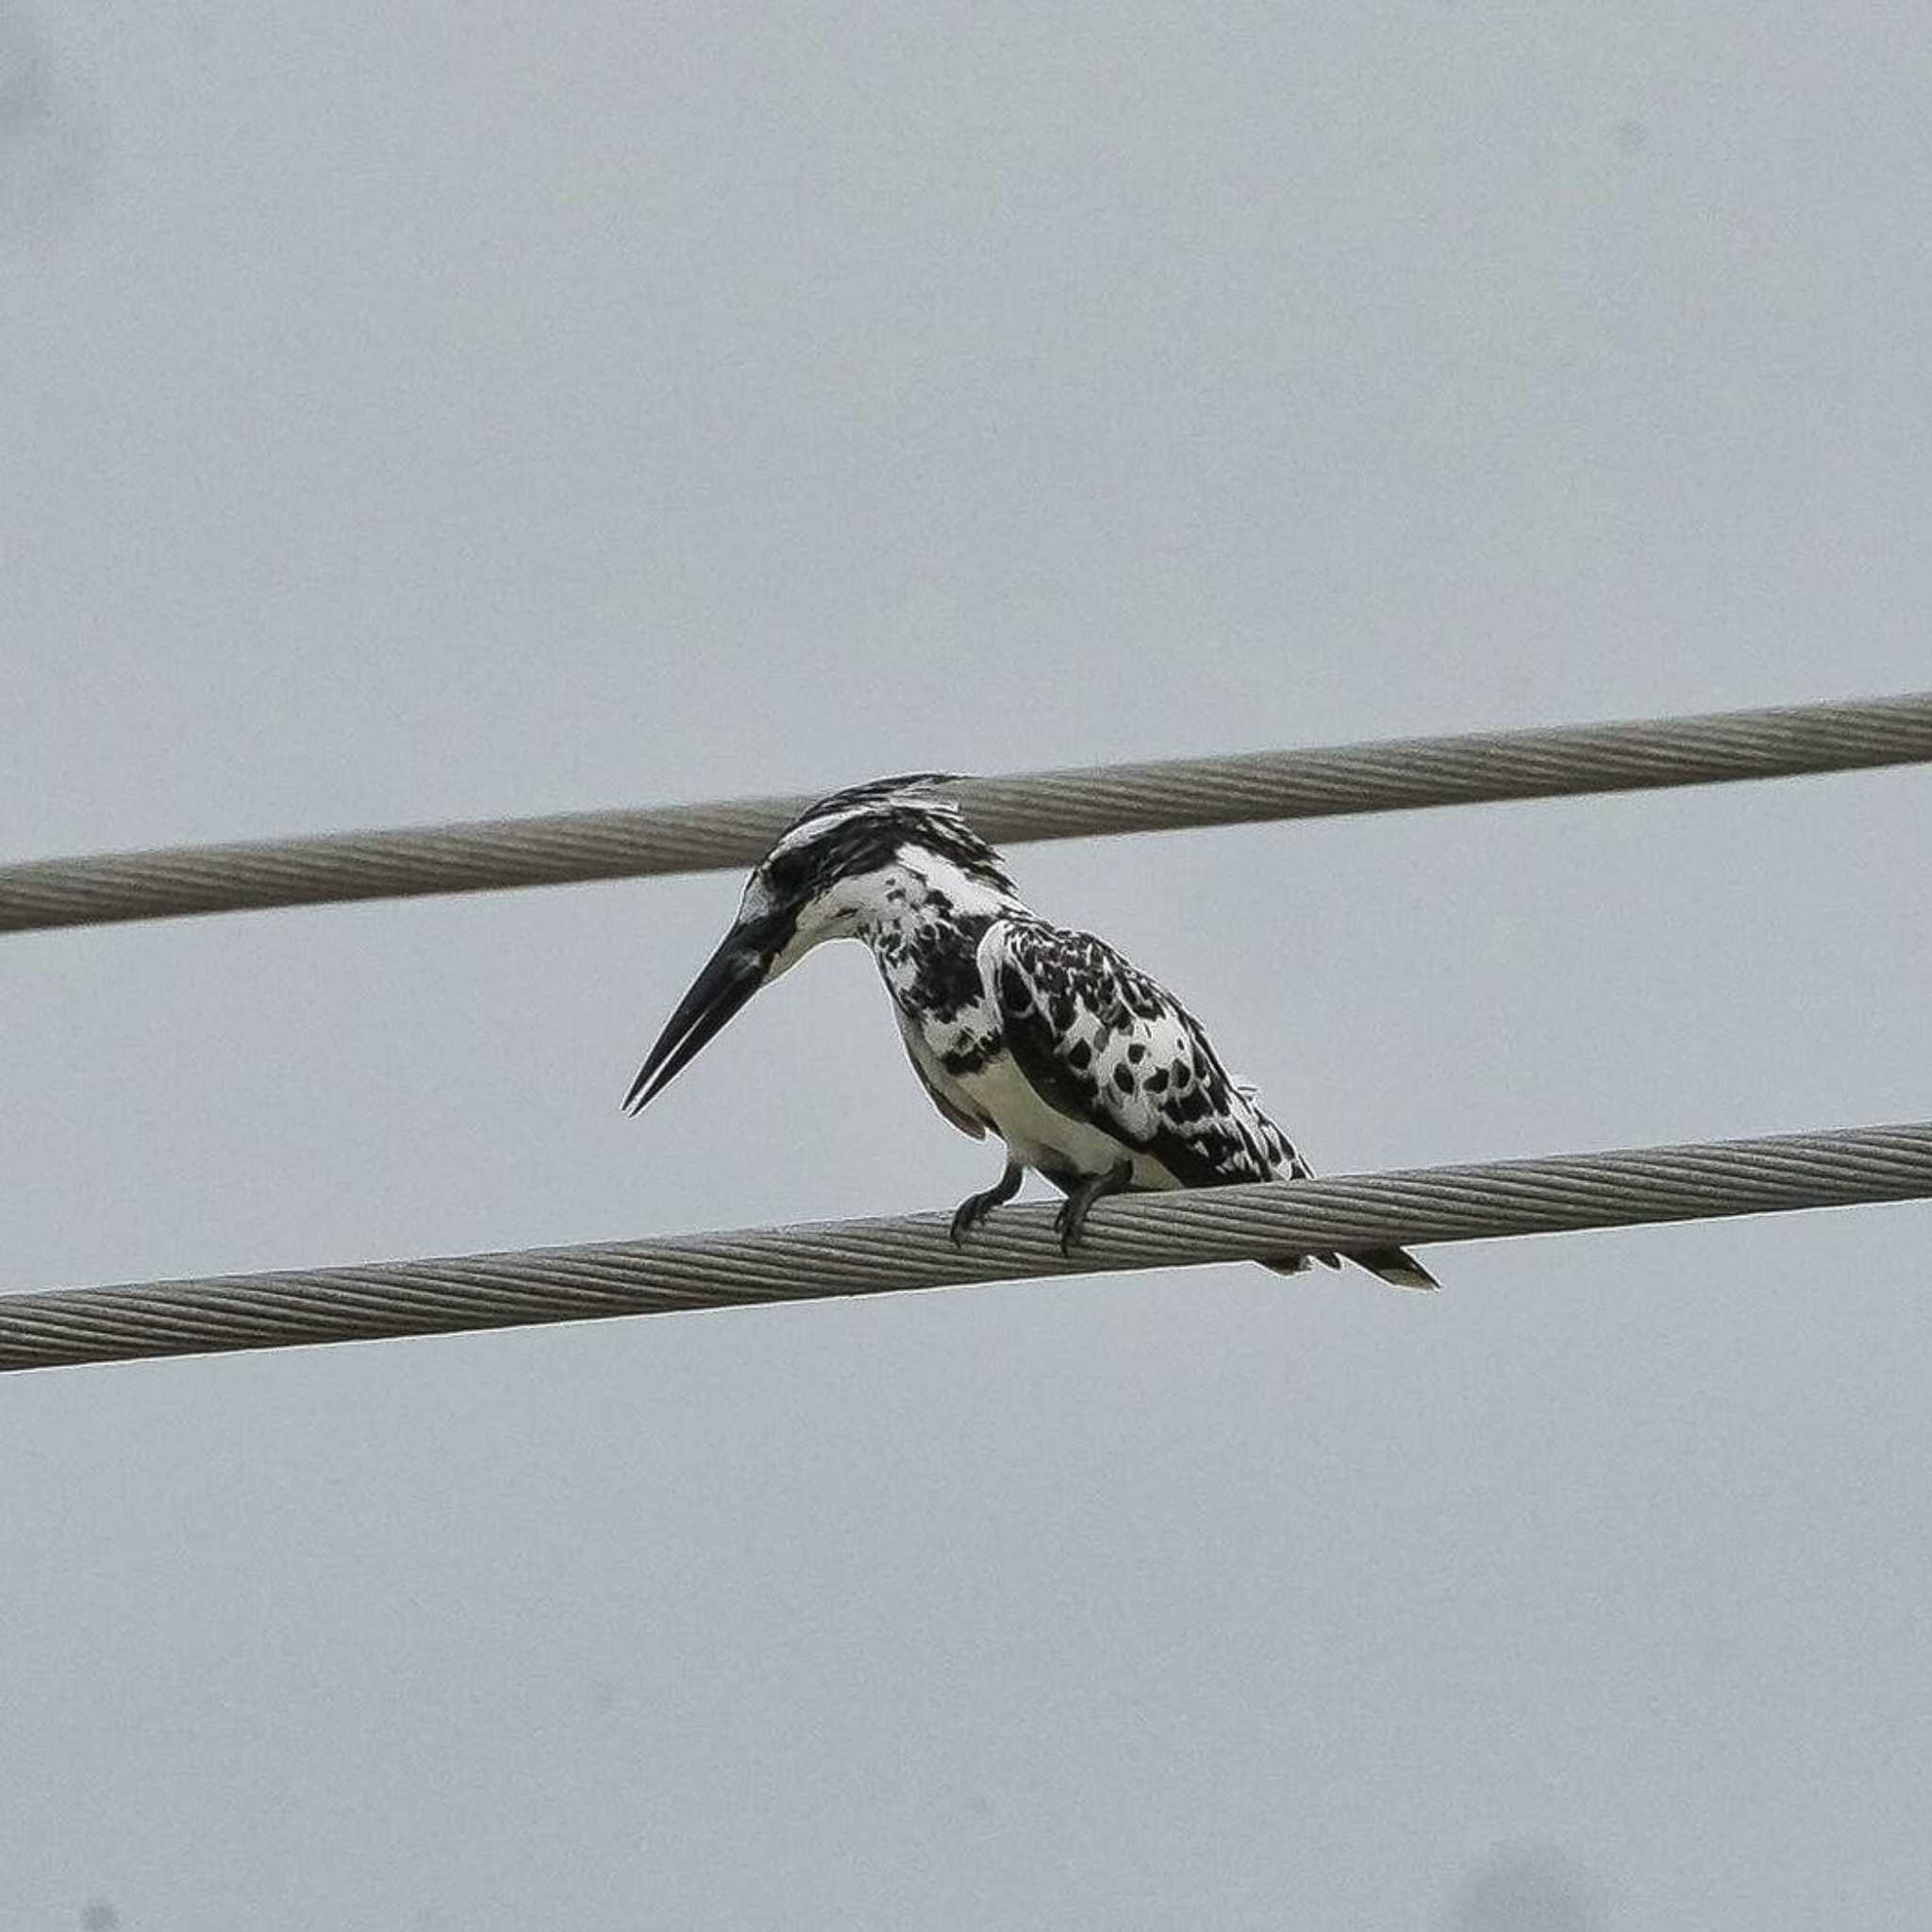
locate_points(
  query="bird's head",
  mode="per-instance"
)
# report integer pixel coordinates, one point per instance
(835, 872)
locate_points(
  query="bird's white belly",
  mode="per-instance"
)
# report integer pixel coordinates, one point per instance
(1040, 1136)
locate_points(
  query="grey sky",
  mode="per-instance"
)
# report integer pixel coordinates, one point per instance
(411, 412)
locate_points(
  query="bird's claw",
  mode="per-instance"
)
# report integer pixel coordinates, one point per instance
(1066, 1224)
(1071, 1221)
(976, 1208)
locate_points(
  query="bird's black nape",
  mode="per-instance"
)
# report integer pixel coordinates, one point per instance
(862, 829)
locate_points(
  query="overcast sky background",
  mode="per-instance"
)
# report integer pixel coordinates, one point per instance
(417, 412)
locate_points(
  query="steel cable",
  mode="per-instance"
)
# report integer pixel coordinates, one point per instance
(1421, 1207)
(1393, 775)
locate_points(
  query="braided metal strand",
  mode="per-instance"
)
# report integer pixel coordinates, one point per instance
(1418, 1206)
(1393, 775)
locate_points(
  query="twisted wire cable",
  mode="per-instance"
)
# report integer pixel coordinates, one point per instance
(1416, 1207)
(1393, 774)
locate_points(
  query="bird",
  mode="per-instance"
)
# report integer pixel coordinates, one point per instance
(1091, 1073)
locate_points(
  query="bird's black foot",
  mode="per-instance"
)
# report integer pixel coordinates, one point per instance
(976, 1208)
(1072, 1218)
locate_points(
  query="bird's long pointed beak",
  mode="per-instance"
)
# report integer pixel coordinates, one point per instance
(731, 976)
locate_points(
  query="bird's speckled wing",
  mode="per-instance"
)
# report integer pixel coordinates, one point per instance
(1102, 1043)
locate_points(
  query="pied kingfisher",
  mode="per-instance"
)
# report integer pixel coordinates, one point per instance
(1089, 1072)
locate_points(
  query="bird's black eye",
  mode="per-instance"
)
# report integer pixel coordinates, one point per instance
(784, 873)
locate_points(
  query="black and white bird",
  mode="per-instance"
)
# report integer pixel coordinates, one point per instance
(1093, 1074)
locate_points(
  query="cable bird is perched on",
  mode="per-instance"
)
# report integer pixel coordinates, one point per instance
(1089, 1072)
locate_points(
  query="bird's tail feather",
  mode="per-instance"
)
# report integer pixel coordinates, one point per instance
(1298, 1264)
(1395, 1265)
